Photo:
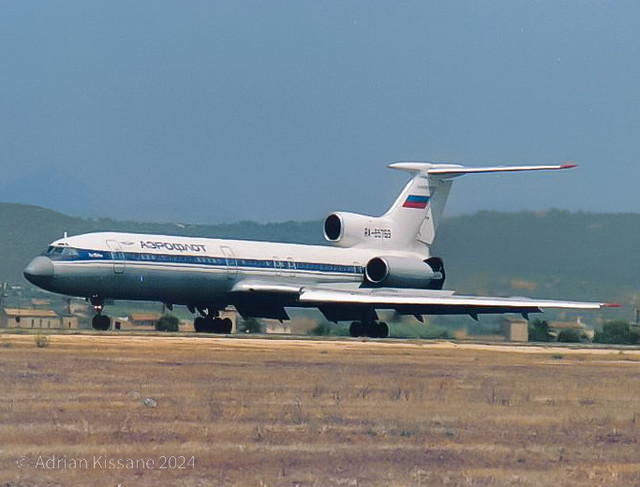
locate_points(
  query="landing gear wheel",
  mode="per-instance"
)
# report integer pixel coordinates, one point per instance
(204, 324)
(381, 329)
(213, 325)
(226, 325)
(101, 322)
(374, 329)
(199, 325)
(356, 329)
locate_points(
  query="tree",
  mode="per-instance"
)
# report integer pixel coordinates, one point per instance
(322, 329)
(252, 325)
(168, 322)
(618, 331)
(539, 332)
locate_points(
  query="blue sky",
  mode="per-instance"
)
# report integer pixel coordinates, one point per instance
(210, 111)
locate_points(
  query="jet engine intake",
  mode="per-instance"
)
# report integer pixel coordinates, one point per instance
(405, 272)
(347, 229)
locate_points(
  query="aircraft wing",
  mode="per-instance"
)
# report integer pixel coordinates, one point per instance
(341, 302)
(437, 302)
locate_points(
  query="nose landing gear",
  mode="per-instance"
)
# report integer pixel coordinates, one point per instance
(99, 321)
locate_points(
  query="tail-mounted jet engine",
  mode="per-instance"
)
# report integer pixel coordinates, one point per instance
(349, 229)
(405, 272)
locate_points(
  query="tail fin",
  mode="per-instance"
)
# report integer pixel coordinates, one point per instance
(416, 213)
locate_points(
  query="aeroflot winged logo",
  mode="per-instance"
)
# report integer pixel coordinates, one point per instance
(415, 201)
(181, 247)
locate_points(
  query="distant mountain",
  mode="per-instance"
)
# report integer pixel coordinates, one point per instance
(57, 189)
(64, 193)
(553, 254)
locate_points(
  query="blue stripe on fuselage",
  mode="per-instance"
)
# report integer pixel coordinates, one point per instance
(143, 257)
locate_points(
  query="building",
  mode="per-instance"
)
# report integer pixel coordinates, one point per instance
(277, 327)
(137, 322)
(43, 319)
(515, 329)
(69, 322)
(146, 320)
(577, 326)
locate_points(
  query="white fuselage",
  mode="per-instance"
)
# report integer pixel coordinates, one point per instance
(191, 271)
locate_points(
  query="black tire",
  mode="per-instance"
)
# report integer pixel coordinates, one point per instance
(101, 322)
(382, 330)
(356, 329)
(210, 325)
(226, 326)
(198, 325)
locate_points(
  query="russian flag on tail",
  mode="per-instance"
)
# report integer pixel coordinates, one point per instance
(415, 201)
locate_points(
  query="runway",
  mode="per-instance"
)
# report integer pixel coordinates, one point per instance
(309, 412)
(287, 342)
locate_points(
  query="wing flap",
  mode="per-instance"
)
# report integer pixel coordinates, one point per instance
(265, 287)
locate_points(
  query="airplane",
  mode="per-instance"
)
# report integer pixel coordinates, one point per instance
(372, 264)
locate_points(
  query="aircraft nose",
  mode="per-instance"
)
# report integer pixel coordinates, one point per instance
(39, 271)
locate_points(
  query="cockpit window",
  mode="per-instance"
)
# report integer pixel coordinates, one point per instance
(57, 253)
(69, 252)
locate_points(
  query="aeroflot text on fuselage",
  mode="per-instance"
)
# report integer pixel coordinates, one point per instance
(181, 247)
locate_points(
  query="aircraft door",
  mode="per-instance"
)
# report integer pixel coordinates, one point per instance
(117, 255)
(232, 263)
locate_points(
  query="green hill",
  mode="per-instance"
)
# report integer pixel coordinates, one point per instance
(552, 254)
(557, 253)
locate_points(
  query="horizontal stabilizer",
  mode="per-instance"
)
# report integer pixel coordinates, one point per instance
(453, 170)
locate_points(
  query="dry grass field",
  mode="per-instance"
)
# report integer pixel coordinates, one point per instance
(153, 411)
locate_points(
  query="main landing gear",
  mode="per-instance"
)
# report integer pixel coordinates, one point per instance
(371, 329)
(212, 325)
(99, 321)
(210, 322)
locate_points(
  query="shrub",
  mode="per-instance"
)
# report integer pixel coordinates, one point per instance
(569, 336)
(252, 325)
(168, 322)
(324, 328)
(321, 329)
(41, 341)
(539, 332)
(618, 331)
